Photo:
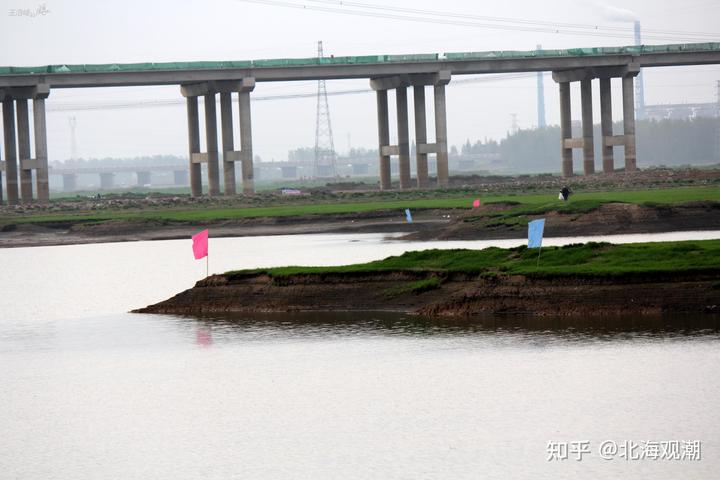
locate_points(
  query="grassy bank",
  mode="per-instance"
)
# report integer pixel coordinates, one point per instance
(521, 205)
(590, 259)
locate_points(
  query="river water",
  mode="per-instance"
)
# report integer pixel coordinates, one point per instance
(89, 391)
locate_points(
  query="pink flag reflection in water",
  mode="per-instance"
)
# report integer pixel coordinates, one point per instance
(200, 244)
(476, 203)
(203, 337)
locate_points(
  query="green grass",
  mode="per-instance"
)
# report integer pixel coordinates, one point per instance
(590, 259)
(534, 204)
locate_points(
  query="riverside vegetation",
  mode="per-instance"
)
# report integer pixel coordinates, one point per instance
(591, 279)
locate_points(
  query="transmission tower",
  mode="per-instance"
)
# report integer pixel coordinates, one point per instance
(514, 125)
(324, 147)
(73, 140)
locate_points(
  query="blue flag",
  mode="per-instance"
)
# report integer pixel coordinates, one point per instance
(535, 233)
(408, 216)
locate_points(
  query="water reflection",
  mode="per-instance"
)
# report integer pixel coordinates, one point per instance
(374, 324)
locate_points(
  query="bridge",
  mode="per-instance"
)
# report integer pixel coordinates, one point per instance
(18, 85)
(107, 174)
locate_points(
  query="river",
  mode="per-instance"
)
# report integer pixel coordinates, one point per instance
(89, 391)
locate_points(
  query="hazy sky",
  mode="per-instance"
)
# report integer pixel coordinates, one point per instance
(91, 31)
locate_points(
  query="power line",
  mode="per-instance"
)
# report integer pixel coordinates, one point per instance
(523, 25)
(504, 19)
(56, 107)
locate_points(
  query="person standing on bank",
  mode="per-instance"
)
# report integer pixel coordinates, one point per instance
(564, 194)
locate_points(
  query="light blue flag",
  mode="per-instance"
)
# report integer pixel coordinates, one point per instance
(408, 216)
(535, 233)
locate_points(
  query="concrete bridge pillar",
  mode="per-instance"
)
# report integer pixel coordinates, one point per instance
(418, 81)
(606, 126)
(23, 131)
(420, 135)
(629, 122)
(69, 181)
(107, 180)
(42, 174)
(383, 139)
(443, 174)
(11, 171)
(230, 155)
(226, 122)
(585, 76)
(246, 149)
(180, 177)
(18, 150)
(143, 178)
(194, 146)
(565, 129)
(403, 136)
(587, 126)
(2, 169)
(211, 145)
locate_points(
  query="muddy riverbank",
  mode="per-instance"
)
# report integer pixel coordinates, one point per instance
(432, 224)
(453, 294)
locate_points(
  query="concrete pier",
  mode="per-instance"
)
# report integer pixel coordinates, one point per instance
(228, 147)
(69, 181)
(180, 177)
(143, 178)
(565, 129)
(400, 83)
(40, 163)
(403, 137)
(208, 90)
(24, 155)
(2, 169)
(107, 181)
(211, 145)
(383, 138)
(629, 122)
(587, 126)
(606, 126)
(420, 136)
(246, 149)
(194, 146)
(585, 76)
(443, 174)
(11, 173)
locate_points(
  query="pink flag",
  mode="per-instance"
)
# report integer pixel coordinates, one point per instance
(476, 203)
(200, 244)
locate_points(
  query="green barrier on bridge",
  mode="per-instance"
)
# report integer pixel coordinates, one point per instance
(582, 52)
(364, 59)
(418, 57)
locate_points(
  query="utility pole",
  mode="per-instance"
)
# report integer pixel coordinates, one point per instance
(324, 146)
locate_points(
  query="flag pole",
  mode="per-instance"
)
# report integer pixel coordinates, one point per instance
(207, 265)
(538, 259)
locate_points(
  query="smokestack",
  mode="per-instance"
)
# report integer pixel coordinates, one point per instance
(540, 97)
(639, 89)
